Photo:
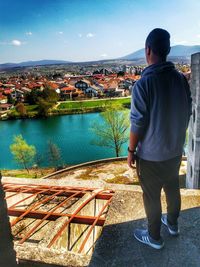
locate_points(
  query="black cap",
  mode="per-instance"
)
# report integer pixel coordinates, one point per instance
(159, 42)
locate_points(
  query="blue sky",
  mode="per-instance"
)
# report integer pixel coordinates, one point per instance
(83, 30)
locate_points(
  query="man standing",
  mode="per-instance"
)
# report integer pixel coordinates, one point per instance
(160, 112)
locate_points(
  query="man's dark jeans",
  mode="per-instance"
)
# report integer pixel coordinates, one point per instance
(153, 177)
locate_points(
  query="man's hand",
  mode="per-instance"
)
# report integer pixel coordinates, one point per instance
(133, 141)
(131, 160)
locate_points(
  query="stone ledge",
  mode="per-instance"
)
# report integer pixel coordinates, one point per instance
(43, 255)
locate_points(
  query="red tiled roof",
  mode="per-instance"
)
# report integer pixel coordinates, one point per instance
(68, 88)
(5, 105)
(7, 92)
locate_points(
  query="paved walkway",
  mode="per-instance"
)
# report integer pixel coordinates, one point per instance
(117, 248)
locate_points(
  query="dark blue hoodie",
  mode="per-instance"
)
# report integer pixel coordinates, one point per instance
(160, 112)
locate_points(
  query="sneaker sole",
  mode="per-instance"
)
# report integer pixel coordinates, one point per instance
(170, 231)
(149, 244)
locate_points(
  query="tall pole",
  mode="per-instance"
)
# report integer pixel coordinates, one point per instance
(193, 155)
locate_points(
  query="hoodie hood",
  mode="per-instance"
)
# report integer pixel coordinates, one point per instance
(158, 68)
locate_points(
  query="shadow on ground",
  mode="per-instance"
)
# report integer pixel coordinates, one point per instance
(117, 246)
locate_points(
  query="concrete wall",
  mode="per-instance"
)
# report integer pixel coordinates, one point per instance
(193, 168)
(7, 252)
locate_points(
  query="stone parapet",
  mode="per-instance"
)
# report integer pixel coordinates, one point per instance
(193, 168)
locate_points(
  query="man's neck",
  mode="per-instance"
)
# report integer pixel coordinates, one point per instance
(155, 60)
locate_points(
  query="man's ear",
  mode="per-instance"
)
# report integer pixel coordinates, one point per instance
(148, 50)
(169, 50)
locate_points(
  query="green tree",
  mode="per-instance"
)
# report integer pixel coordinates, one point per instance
(32, 97)
(49, 95)
(54, 154)
(46, 101)
(120, 73)
(10, 99)
(44, 107)
(22, 152)
(113, 131)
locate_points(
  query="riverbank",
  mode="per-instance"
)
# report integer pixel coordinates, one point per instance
(72, 107)
(33, 173)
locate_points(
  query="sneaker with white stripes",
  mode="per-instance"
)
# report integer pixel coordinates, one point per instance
(173, 229)
(144, 237)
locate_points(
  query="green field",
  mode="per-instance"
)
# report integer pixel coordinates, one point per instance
(74, 107)
(94, 104)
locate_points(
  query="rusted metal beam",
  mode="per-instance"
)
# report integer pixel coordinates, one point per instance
(79, 219)
(93, 225)
(49, 186)
(75, 212)
(66, 193)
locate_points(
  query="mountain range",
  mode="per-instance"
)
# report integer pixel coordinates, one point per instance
(33, 63)
(178, 53)
(182, 51)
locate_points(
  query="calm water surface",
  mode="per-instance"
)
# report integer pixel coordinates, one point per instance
(72, 134)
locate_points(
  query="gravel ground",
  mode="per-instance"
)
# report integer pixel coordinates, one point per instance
(103, 175)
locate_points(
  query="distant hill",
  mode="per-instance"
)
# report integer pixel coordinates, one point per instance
(177, 51)
(32, 63)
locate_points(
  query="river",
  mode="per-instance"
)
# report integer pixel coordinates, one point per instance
(71, 133)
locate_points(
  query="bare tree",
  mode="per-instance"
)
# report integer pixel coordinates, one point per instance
(113, 131)
(54, 154)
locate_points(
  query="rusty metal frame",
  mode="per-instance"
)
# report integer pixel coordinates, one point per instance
(75, 212)
(48, 193)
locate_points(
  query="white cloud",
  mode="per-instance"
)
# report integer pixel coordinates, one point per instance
(198, 35)
(104, 55)
(16, 42)
(29, 33)
(90, 35)
(80, 35)
(13, 42)
(60, 33)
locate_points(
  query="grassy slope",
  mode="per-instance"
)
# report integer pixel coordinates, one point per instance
(33, 173)
(93, 104)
